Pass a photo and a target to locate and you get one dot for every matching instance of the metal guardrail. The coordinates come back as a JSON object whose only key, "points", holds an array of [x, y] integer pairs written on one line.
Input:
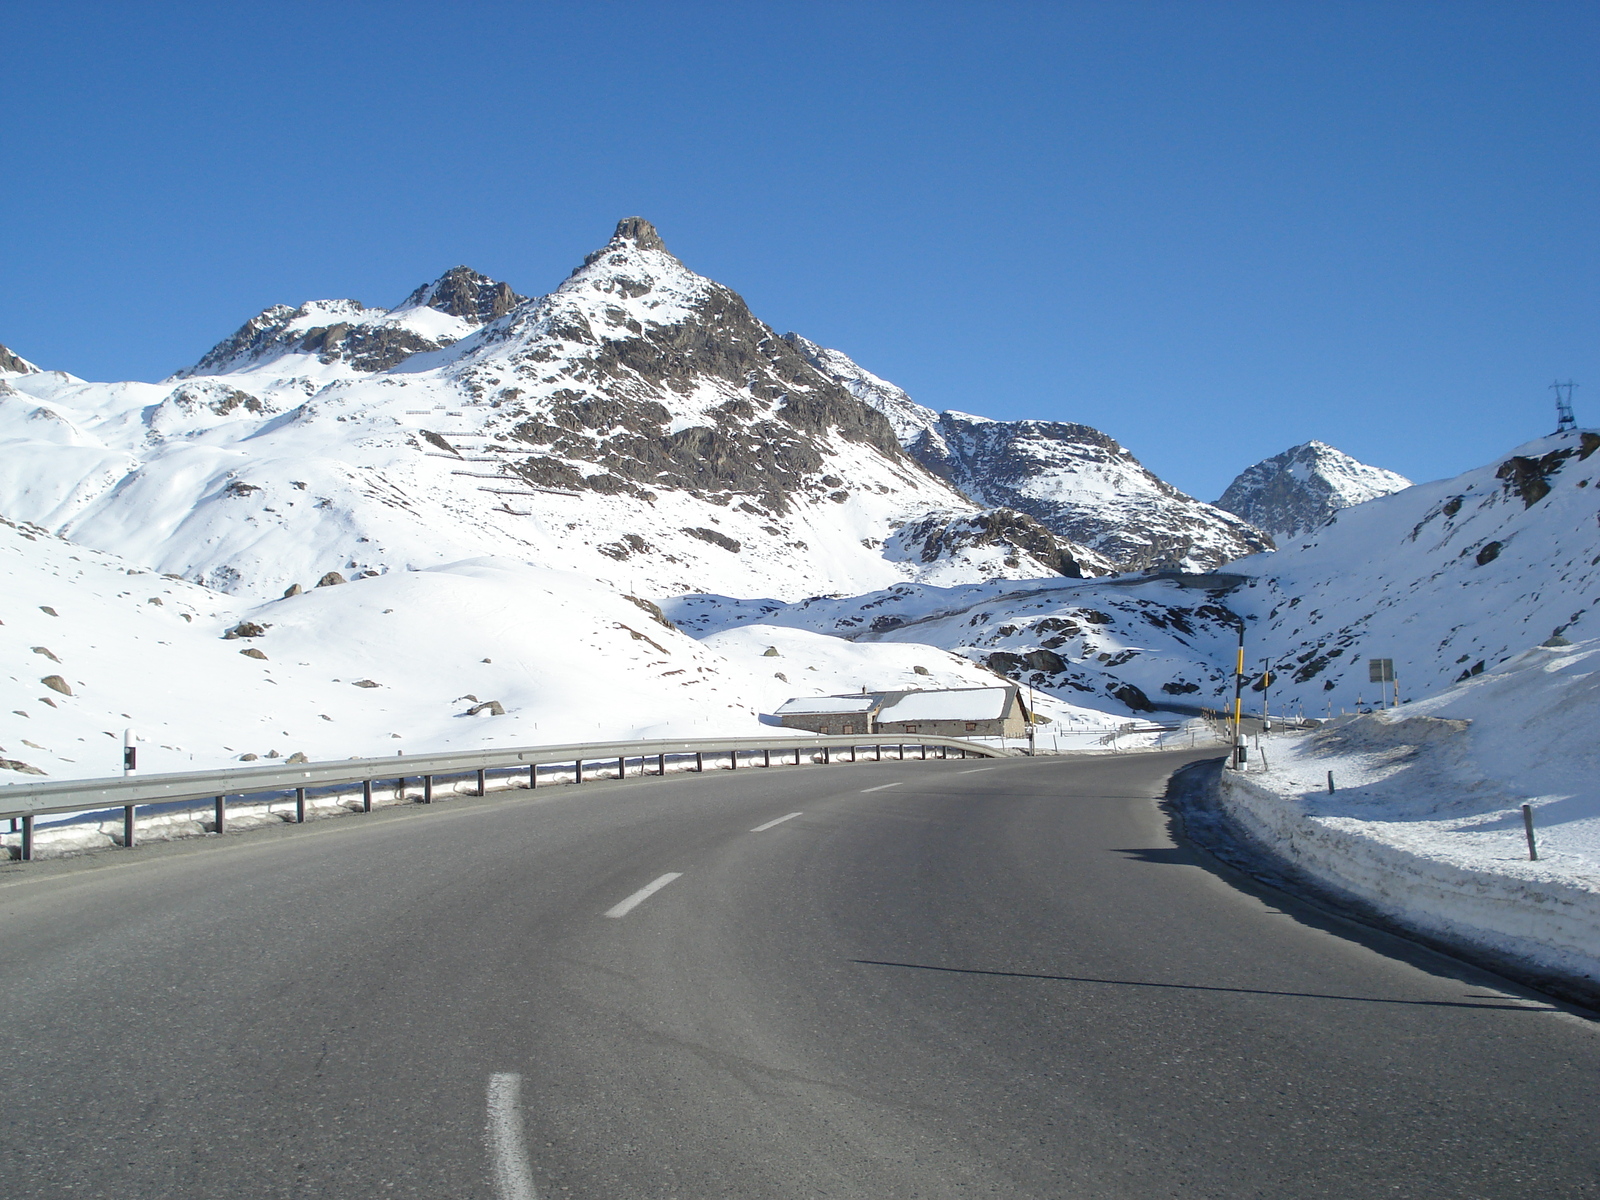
{"points": [[29, 800]]}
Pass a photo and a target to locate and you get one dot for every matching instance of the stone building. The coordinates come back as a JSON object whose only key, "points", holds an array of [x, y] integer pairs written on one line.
{"points": [[947, 712]]}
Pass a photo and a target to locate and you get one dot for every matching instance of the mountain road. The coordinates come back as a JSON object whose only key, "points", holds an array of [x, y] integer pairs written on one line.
{"points": [[889, 980]]}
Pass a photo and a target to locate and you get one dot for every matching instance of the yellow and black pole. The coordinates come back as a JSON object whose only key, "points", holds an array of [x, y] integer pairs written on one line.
{"points": [[1238, 703]]}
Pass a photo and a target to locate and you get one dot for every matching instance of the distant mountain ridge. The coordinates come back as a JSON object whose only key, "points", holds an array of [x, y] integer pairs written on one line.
{"points": [[1076, 481], [1293, 493]]}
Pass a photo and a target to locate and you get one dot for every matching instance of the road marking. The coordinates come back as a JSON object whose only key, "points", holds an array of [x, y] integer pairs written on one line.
{"points": [[770, 824], [643, 894], [881, 786], [974, 770], [513, 1177]]}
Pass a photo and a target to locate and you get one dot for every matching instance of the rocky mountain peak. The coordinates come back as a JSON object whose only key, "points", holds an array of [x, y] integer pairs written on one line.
{"points": [[463, 292], [15, 364], [1294, 492], [641, 233]]}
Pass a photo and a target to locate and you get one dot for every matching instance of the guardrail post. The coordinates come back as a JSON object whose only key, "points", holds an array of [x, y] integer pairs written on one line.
{"points": [[699, 761], [221, 814], [27, 837], [661, 764], [482, 786], [622, 766], [879, 750], [577, 771], [852, 752], [299, 806], [827, 756], [797, 756], [127, 827], [924, 751], [766, 757], [533, 775], [733, 760], [400, 788], [427, 789], [366, 795]]}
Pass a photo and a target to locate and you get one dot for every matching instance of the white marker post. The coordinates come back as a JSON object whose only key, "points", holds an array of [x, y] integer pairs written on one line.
{"points": [[130, 752]]}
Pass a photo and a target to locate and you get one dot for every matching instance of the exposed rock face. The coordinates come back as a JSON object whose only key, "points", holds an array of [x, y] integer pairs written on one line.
{"points": [[462, 292], [1292, 493], [1073, 479], [365, 339], [940, 534], [13, 364]]}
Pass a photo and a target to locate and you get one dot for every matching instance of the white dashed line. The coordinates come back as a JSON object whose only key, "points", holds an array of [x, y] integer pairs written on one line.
{"points": [[974, 770], [508, 1156], [881, 786], [643, 894], [770, 824]]}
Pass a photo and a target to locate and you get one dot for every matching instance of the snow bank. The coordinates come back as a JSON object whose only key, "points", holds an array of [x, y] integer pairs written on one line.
{"points": [[1426, 826]]}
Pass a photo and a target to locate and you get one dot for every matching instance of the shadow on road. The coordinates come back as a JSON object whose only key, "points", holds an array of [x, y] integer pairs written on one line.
{"points": [[1200, 987]]}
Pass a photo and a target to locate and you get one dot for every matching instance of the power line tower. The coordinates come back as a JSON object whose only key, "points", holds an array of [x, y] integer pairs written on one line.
{"points": [[1564, 417]]}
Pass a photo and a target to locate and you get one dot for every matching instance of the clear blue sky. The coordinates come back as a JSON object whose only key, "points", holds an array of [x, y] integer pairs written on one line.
{"points": [[1211, 229]]}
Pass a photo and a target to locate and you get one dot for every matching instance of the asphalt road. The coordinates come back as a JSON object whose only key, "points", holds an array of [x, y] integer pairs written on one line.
{"points": [[938, 980]]}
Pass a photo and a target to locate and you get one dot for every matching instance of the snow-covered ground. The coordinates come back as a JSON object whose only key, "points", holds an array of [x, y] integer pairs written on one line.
{"points": [[386, 664], [1425, 823]]}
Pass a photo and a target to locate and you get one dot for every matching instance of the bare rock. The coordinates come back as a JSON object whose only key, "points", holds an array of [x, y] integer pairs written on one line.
{"points": [[245, 629], [248, 757], [57, 684], [921, 671], [771, 652], [48, 611], [44, 651], [366, 683], [492, 707], [299, 756], [252, 652], [294, 589], [331, 579], [12, 764]]}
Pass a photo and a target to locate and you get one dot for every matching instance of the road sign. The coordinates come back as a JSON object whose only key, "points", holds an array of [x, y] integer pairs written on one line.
{"points": [[1380, 670]]}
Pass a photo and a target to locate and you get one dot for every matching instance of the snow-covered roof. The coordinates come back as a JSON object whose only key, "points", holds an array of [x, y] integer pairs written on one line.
{"points": [[827, 704], [954, 704]]}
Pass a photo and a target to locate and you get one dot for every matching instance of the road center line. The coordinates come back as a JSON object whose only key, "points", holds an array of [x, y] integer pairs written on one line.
{"points": [[974, 770], [770, 824], [643, 894], [508, 1155], [881, 786]]}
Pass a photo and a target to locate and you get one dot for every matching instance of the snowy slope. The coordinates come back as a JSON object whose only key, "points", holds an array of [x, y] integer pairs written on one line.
{"points": [[12, 364], [379, 666], [1075, 480], [638, 426], [1295, 492], [1426, 822], [1121, 646], [1446, 578]]}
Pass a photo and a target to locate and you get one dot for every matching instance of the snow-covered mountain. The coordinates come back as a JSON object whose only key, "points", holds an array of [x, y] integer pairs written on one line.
{"points": [[1295, 492], [12, 364], [638, 425], [1446, 578], [353, 339], [1075, 480]]}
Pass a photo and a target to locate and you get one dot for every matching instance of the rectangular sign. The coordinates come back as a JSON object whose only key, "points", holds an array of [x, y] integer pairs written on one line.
{"points": [[1380, 670]]}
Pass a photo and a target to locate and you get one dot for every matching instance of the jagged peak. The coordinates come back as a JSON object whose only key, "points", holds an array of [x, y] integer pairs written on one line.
{"points": [[641, 233], [633, 234], [465, 293], [15, 364]]}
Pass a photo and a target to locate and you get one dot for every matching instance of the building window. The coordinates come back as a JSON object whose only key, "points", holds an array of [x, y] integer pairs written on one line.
{"points": [[971, 725], [911, 728], [849, 728]]}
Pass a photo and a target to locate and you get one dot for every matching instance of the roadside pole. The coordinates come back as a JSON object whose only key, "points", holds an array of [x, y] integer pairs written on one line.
{"points": [[1238, 702]]}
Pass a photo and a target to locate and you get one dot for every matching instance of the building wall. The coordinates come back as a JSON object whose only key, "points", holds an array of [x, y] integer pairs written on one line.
{"points": [[828, 723], [1013, 726]]}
